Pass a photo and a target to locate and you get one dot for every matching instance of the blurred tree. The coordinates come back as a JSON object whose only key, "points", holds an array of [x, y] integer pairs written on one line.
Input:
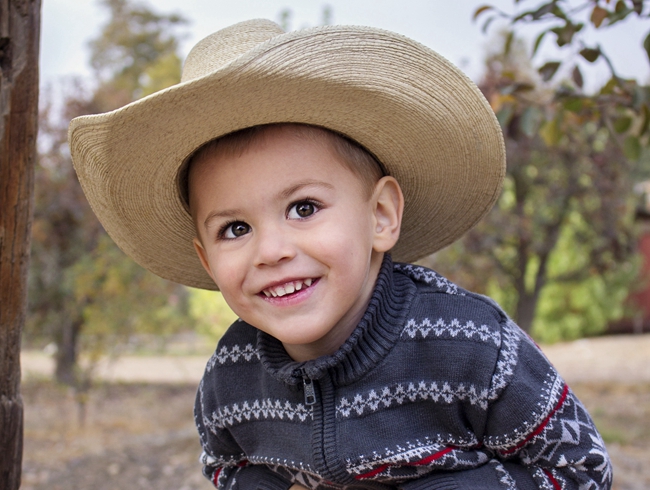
{"points": [[210, 313], [134, 46], [568, 193], [621, 105], [86, 294]]}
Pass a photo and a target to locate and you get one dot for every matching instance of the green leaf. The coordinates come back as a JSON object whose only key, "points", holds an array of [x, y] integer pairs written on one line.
{"points": [[550, 132], [538, 41], [639, 96], [548, 70], [646, 45], [622, 124], [487, 24], [573, 104], [632, 148], [543, 10], [576, 76], [481, 9], [508, 44], [504, 116], [590, 54], [621, 11], [559, 13], [530, 120], [523, 87], [609, 87], [564, 34], [646, 120]]}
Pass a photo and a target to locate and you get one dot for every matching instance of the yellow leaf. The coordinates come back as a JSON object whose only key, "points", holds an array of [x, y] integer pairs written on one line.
{"points": [[598, 15]]}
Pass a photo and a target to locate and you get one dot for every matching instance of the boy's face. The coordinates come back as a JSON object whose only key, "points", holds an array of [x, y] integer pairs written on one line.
{"points": [[290, 238]]}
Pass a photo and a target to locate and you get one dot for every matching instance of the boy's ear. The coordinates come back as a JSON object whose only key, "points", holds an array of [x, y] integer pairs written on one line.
{"points": [[203, 257], [388, 208]]}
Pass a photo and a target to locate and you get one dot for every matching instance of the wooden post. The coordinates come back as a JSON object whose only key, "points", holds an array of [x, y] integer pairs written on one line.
{"points": [[20, 22]]}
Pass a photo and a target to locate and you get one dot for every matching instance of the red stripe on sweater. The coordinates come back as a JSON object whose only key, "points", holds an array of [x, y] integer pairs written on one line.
{"points": [[555, 483], [218, 472], [372, 473], [426, 460], [433, 457], [544, 423], [215, 478]]}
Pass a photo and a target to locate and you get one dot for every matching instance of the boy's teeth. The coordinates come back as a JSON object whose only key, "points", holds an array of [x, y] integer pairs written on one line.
{"points": [[287, 288]]}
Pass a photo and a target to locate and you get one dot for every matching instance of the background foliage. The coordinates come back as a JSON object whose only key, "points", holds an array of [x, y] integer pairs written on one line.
{"points": [[86, 297], [558, 250]]}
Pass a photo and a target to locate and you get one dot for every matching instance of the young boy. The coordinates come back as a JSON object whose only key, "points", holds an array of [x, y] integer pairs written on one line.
{"points": [[282, 171]]}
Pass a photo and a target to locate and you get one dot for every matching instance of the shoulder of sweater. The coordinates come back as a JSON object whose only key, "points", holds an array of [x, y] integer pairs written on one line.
{"points": [[237, 347], [238, 332], [438, 294]]}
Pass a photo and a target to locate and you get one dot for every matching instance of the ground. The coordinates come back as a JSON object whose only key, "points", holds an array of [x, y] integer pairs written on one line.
{"points": [[139, 433]]}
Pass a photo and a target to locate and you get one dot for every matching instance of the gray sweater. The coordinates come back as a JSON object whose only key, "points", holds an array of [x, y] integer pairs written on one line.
{"points": [[435, 389]]}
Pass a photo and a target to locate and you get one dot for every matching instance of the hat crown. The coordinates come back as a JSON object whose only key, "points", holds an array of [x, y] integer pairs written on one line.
{"points": [[226, 45]]}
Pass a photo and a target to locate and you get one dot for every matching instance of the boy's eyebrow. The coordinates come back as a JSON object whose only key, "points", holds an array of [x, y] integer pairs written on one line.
{"points": [[226, 213], [289, 191], [285, 194]]}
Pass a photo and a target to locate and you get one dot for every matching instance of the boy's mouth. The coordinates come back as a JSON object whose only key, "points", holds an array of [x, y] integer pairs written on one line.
{"points": [[287, 288]]}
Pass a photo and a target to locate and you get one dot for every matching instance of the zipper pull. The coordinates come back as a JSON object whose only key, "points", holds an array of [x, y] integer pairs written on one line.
{"points": [[308, 387]]}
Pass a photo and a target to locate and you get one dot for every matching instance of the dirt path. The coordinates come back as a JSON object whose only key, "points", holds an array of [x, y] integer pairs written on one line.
{"points": [[139, 431], [620, 359], [624, 359]]}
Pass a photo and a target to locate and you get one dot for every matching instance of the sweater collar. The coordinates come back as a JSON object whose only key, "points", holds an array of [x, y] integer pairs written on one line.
{"points": [[376, 334]]}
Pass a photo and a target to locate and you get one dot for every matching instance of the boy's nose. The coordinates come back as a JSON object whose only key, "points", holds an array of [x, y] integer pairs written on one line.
{"points": [[272, 247]]}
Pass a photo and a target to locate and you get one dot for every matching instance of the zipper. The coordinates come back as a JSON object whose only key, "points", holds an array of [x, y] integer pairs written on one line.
{"points": [[308, 388]]}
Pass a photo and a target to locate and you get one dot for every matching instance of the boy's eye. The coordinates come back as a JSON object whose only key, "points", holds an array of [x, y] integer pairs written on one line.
{"points": [[235, 230], [301, 209]]}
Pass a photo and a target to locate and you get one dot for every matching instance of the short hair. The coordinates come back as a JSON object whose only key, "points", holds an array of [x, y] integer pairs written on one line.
{"points": [[350, 153]]}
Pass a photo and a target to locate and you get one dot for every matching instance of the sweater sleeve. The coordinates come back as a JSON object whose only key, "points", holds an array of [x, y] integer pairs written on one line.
{"points": [[539, 434], [224, 463], [536, 427]]}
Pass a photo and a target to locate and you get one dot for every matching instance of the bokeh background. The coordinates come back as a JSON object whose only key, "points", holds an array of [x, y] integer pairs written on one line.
{"points": [[112, 354]]}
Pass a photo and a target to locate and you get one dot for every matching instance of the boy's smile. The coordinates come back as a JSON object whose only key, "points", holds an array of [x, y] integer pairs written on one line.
{"points": [[291, 239]]}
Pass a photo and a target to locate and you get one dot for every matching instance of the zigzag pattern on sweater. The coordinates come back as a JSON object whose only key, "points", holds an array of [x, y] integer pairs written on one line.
{"points": [[549, 396], [428, 276], [542, 481], [400, 394], [568, 426], [237, 413], [453, 329], [508, 357], [504, 476], [233, 355]]}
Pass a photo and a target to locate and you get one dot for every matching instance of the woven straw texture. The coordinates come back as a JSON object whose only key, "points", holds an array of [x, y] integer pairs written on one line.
{"points": [[419, 115]]}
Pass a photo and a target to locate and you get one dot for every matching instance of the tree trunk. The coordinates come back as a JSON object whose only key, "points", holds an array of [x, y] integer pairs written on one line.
{"points": [[19, 43], [66, 355], [526, 307]]}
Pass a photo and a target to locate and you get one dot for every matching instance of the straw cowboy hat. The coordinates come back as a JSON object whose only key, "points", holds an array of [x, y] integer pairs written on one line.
{"points": [[425, 121]]}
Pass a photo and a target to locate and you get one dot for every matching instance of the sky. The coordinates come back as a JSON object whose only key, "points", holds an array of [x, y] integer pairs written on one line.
{"points": [[443, 25]]}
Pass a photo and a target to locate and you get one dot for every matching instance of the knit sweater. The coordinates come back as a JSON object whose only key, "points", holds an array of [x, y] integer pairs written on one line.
{"points": [[436, 388]]}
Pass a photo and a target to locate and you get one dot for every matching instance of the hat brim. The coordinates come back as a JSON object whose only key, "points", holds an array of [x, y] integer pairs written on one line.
{"points": [[418, 114]]}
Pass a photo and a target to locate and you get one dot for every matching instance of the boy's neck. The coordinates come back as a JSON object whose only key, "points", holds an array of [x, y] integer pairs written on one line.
{"points": [[329, 344]]}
